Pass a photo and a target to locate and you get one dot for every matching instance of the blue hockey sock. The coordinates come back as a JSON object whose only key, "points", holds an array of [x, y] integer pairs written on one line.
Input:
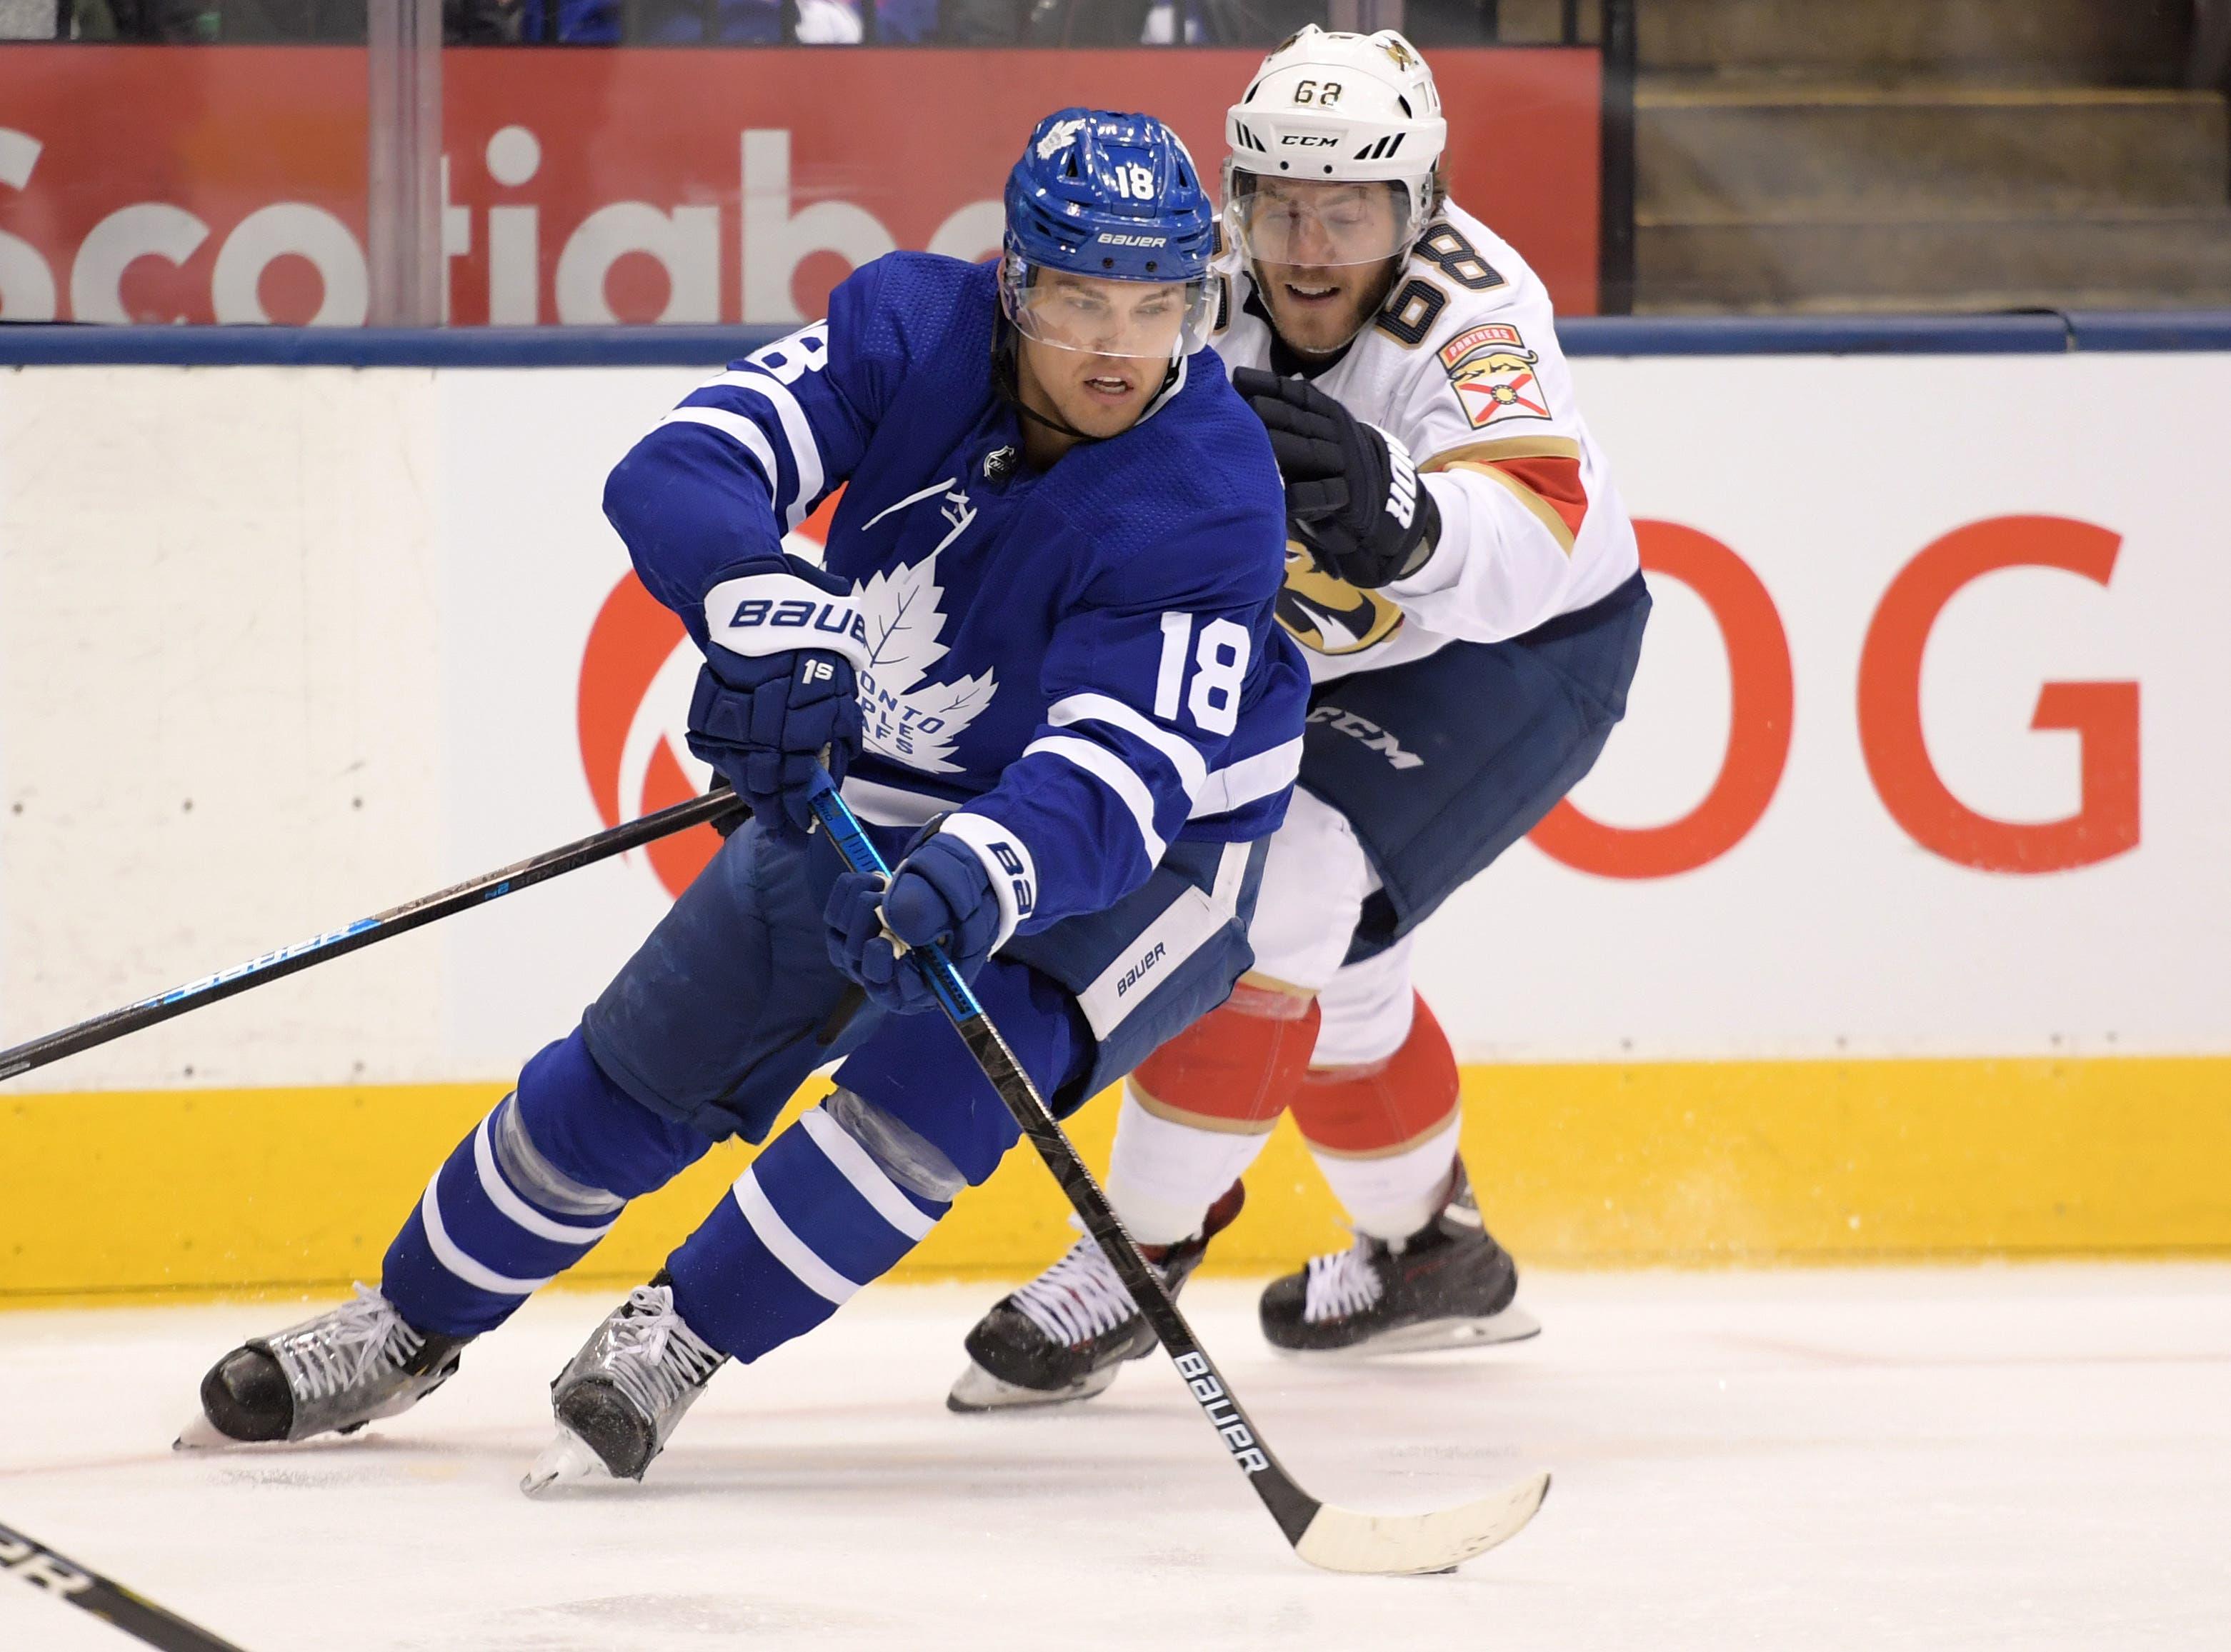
{"points": [[818, 1215], [528, 1193]]}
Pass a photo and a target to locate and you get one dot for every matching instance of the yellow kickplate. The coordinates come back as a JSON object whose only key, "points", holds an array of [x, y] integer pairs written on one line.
{"points": [[199, 1193]]}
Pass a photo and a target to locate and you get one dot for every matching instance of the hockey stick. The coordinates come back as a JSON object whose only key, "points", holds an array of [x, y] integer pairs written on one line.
{"points": [[1336, 1539], [87, 1589], [415, 915]]}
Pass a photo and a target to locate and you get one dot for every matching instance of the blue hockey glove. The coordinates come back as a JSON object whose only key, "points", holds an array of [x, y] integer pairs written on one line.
{"points": [[765, 714], [940, 893], [1352, 495]]}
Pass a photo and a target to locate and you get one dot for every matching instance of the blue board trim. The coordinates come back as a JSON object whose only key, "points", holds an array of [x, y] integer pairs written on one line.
{"points": [[1807, 335], [27, 346]]}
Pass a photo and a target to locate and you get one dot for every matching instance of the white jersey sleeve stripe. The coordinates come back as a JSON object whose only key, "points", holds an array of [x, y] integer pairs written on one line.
{"points": [[786, 1247], [1192, 770], [737, 427], [1250, 779], [798, 433], [865, 1174], [1116, 775]]}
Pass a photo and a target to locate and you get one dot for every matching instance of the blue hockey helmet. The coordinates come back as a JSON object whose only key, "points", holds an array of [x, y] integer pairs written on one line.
{"points": [[1105, 197]]}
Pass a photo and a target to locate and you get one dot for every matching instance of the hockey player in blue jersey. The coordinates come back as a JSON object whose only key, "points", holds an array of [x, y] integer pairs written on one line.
{"points": [[1041, 659]]}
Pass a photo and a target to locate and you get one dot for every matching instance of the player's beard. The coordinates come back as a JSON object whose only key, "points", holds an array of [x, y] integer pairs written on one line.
{"points": [[1317, 309]]}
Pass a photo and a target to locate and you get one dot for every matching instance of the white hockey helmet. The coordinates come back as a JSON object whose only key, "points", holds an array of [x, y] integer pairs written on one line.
{"points": [[1328, 107]]}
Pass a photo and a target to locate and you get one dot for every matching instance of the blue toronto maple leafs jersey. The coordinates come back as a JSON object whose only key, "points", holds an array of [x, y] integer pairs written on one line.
{"points": [[1083, 662]]}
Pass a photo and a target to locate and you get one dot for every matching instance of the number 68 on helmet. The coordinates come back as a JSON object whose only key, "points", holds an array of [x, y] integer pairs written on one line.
{"points": [[1335, 150]]}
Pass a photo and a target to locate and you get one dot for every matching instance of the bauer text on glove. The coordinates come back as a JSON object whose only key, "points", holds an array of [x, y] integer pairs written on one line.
{"points": [[779, 689]]}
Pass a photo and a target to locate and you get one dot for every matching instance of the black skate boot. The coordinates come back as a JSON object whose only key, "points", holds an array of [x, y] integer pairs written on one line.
{"points": [[618, 1399], [1065, 1334], [1449, 1285], [350, 1366]]}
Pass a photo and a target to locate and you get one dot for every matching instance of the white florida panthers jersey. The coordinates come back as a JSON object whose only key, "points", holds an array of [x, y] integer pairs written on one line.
{"points": [[1462, 366]]}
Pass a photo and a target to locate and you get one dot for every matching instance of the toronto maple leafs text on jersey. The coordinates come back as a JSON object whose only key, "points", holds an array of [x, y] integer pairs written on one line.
{"points": [[1462, 366], [1082, 662]]}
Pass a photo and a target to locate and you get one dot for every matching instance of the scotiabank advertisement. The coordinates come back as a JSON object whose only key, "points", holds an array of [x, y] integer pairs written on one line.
{"points": [[228, 184]]}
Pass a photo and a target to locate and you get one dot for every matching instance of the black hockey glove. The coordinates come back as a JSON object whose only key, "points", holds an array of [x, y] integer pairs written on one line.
{"points": [[1353, 494]]}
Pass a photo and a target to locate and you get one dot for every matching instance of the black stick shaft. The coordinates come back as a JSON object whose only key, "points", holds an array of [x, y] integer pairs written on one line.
{"points": [[1291, 1507], [290, 960], [34, 1564]]}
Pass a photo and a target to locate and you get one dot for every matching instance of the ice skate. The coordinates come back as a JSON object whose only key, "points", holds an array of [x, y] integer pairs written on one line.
{"points": [[1064, 1335], [618, 1399], [1448, 1286], [351, 1366]]}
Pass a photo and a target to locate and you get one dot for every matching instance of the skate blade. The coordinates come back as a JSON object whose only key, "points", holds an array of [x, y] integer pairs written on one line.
{"points": [[565, 1461], [978, 1390], [202, 1435], [1514, 1324]]}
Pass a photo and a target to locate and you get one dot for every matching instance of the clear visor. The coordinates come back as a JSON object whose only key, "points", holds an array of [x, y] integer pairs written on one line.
{"points": [[1154, 320], [1317, 224]]}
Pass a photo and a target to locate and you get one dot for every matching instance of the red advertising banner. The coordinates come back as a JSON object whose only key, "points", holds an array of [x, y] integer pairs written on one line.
{"points": [[227, 184]]}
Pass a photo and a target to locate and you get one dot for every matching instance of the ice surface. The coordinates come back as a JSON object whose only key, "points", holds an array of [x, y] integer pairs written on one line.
{"points": [[2032, 1457]]}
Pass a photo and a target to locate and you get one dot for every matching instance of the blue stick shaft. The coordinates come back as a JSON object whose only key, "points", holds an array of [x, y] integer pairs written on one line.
{"points": [[1291, 1507]]}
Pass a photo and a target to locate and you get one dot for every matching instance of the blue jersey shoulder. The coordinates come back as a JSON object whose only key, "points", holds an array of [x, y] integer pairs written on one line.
{"points": [[910, 313], [1197, 479]]}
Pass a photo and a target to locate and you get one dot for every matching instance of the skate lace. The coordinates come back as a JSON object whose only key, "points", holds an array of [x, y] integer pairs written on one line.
{"points": [[1076, 1299], [1341, 1283], [655, 1358], [343, 1349]]}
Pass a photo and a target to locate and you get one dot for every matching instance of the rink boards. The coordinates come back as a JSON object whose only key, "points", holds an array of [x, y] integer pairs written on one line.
{"points": [[1897, 920]]}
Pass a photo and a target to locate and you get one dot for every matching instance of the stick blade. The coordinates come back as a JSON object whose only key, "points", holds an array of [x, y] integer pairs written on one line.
{"points": [[1340, 1539]]}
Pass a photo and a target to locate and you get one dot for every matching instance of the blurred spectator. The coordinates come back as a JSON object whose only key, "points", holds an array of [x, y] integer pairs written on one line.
{"points": [[1124, 22], [725, 22], [140, 19], [481, 22], [1450, 23], [30, 19], [1088, 22], [1259, 23], [2210, 61]]}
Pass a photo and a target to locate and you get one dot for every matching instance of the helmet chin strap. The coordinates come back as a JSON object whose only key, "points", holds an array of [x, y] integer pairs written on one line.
{"points": [[1005, 378]]}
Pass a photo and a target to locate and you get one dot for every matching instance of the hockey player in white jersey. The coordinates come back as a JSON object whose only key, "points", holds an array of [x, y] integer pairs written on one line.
{"points": [[1465, 582]]}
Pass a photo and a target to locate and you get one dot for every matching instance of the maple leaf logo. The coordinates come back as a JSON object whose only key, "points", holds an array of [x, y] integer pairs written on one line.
{"points": [[902, 717]]}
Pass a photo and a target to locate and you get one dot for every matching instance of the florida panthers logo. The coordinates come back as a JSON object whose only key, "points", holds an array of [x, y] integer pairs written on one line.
{"points": [[1496, 376], [1329, 616]]}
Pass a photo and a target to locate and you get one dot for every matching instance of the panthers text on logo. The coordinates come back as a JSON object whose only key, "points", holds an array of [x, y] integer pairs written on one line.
{"points": [[1494, 375]]}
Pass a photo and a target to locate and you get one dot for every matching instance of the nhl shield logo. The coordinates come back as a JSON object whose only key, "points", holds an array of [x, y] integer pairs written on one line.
{"points": [[1494, 375]]}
